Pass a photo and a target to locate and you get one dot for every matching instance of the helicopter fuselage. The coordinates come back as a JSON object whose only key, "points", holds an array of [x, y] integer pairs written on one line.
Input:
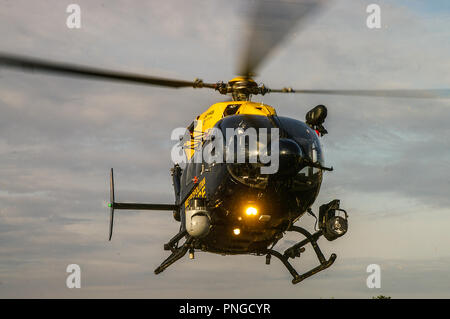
{"points": [[230, 189], [230, 200]]}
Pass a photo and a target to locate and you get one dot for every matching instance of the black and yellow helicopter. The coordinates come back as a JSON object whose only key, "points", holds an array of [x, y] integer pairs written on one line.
{"points": [[232, 208]]}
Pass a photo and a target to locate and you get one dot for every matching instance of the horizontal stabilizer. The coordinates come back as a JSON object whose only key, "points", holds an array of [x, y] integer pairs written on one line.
{"points": [[140, 206]]}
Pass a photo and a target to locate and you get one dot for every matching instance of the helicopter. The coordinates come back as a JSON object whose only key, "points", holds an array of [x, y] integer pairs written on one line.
{"points": [[231, 207]]}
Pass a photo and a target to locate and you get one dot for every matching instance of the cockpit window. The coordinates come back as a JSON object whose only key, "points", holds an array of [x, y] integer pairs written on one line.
{"points": [[245, 125], [244, 121], [304, 136]]}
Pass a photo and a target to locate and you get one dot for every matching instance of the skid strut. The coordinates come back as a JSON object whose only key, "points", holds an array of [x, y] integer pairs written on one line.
{"points": [[174, 241], [295, 251], [177, 253]]}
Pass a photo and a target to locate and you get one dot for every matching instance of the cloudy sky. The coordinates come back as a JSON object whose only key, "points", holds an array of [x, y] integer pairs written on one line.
{"points": [[60, 136]]}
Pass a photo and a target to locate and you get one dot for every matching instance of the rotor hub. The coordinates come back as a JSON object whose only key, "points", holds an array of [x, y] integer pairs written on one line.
{"points": [[241, 88]]}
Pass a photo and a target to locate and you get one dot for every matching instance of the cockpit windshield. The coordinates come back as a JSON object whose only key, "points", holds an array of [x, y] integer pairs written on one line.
{"points": [[305, 137]]}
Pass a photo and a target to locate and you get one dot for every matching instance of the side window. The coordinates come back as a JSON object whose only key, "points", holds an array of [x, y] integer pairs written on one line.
{"points": [[211, 151]]}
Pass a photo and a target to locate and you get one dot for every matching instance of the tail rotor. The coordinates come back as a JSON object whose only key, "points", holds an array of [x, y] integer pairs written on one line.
{"points": [[111, 204]]}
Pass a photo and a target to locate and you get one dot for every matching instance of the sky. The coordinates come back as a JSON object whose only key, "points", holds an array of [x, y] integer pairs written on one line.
{"points": [[59, 137]]}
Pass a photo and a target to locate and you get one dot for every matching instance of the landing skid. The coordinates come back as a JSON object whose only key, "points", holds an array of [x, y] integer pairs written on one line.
{"points": [[297, 249], [292, 252]]}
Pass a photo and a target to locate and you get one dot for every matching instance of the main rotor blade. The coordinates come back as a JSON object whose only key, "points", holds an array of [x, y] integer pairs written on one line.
{"points": [[269, 24], [39, 65], [420, 94]]}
